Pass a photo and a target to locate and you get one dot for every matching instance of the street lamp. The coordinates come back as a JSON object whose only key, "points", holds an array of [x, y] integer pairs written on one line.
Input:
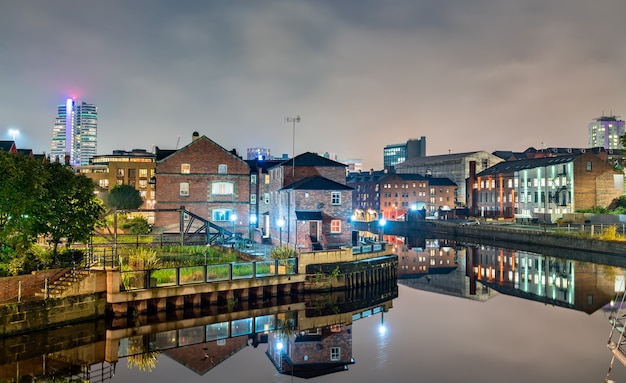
{"points": [[280, 223], [14, 133], [293, 150], [382, 223], [252, 224], [234, 219]]}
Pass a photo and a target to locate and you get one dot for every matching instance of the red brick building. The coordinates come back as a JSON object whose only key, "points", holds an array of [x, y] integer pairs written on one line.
{"points": [[311, 203], [544, 188], [207, 180]]}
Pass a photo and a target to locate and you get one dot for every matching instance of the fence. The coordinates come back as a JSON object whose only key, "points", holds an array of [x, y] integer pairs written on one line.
{"points": [[185, 275]]}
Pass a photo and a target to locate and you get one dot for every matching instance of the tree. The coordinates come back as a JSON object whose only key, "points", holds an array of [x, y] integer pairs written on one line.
{"points": [[72, 210], [21, 193], [124, 197]]}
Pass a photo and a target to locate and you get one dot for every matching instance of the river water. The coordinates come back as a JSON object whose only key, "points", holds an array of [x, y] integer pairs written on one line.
{"points": [[458, 313]]}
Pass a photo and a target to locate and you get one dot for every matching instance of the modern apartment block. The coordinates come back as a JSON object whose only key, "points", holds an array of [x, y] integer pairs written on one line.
{"points": [[134, 168], [605, 132], [543, 188], [75, 133]]}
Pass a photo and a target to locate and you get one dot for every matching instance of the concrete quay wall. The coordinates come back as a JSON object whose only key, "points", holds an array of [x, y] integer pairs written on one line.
{"points": [[36, 315]]}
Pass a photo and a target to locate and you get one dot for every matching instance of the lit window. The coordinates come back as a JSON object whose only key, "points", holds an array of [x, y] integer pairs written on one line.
{"points": [[143, 184], [104, 183], [120, 172], [222, 188], [335, 226], [185, 169], [221, 214], [143, 172], [335, 198], [222, 169], [184, 189]]}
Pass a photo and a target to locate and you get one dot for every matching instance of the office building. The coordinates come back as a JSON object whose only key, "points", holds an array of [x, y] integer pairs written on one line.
{"points": [[397, 153], [605, 132], [75, 133]]}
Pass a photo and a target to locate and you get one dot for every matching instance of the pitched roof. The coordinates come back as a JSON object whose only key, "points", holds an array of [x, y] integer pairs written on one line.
{"points": [[440, 181], [263, 165], [316, 183], [166, 153], [531, 163], [311, 159], [6, 146]]}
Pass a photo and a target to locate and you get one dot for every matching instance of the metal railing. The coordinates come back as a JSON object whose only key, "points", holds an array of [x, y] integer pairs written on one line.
{"points": [[184, 275]]}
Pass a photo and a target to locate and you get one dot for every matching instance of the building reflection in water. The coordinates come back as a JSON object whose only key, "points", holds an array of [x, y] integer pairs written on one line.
{"points": [[308, 336], [480, 272]]}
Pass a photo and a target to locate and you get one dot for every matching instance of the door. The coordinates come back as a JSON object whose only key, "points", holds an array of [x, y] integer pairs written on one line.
{"points": [[313, 231]]}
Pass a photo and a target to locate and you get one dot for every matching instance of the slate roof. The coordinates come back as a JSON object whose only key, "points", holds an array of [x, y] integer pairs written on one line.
{"points": [[255, 165], [374, 176], [513, 166], [311, 159], [316, 183], [6, 146], [440, 181]]}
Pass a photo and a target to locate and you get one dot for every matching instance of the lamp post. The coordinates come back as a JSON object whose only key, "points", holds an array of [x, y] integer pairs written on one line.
{"points": [[280, 223], [233, 218], [382, 223], [293, 149], [13, 133]]}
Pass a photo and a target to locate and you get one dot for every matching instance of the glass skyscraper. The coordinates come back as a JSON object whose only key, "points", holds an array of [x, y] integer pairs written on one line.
{"points": [[75, 133]]}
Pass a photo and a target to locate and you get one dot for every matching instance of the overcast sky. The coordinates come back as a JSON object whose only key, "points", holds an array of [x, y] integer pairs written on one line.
{"points": [[467, 75]]}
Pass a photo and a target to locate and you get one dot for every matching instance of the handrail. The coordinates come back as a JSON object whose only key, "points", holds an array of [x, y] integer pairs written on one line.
{"points": [[132, 280]]}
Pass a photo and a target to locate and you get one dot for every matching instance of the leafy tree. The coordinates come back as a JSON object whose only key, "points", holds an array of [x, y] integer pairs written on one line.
{"points": [[21, 191], [124, 197], [72, 210], [136, 225]]}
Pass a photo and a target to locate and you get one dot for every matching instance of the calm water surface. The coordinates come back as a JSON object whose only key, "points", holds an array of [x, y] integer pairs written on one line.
{"points": [[458, 315]]}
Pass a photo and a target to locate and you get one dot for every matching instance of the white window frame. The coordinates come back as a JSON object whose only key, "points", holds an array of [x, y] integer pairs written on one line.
{"points": [[252, 199], [185, 169], [335, 198], [222, 169], [335, 354], [222, 188]]}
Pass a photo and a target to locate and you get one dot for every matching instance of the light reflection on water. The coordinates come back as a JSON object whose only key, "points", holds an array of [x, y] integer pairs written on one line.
{"points": [[459, 314]]}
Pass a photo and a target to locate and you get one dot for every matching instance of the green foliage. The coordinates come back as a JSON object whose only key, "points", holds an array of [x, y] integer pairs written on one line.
{"points": [[24, 262], [21, 198], [136, 225], [140, 258], [124, 197], [283, 252]]}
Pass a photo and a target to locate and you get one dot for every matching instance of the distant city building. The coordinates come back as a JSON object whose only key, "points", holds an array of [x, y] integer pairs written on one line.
{"points": [[258, 154], [455, 166], [354, 164], [135, 168], [605, 132], [75, 133], [397, 153]]}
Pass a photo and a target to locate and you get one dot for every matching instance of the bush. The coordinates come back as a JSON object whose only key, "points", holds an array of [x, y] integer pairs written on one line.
{"points": [[283, 252]]}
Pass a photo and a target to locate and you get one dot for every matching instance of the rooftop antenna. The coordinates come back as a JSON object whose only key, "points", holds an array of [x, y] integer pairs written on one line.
{"points": [[177, 142]]}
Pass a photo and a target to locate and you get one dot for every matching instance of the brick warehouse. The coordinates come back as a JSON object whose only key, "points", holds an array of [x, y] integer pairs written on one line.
{"points": [[312, 201], [207, 180]]}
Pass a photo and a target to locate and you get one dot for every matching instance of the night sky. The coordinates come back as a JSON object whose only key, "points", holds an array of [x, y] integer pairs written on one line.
{"points": [[467, 75]]}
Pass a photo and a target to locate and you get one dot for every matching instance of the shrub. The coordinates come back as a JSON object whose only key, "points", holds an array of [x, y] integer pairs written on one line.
{"points": [[283, 252]]}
